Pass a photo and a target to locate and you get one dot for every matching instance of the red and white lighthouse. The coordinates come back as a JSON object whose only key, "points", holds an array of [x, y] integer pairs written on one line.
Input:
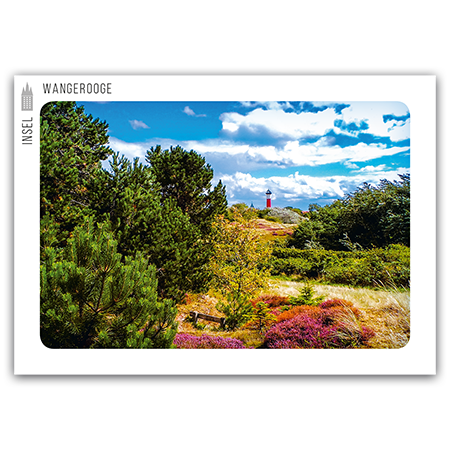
{"points": [[268, 199]]}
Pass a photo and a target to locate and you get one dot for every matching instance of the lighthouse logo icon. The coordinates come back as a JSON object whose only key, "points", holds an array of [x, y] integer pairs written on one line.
{"points": [[27, 99]]}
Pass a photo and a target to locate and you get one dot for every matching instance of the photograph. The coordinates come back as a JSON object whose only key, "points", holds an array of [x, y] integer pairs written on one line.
{"points": [[223, 224]]}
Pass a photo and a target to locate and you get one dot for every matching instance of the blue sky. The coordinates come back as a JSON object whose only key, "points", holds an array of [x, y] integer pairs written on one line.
{"points": [[304, 152]]}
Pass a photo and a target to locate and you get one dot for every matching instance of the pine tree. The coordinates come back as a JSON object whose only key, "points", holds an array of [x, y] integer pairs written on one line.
{"points": [[93, 298], [72, 145], [261, 316], [130, 199], [185, 177]]}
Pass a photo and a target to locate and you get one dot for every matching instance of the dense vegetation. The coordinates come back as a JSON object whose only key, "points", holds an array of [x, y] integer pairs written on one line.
{"points": [[389, 266], [123, 248], [372, 216], [138, 215]]}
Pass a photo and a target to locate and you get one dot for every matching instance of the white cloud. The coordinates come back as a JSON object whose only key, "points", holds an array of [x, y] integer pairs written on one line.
{"points": [[297, 125], [379, 168], [230, 161], [269, 105], [129, 149], [399, 132], [279, 122], [190, 112], [277, 136], [372, 113], [136, 124], [350, 165], [291, 155], [291, 187], [284, 129]]}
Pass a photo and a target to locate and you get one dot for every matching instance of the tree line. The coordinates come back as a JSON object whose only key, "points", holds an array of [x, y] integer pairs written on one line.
{"points": [[370, 217]]}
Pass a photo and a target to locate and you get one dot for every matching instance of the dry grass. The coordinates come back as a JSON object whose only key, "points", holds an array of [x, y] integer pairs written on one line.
{"points": [[385, 312]]}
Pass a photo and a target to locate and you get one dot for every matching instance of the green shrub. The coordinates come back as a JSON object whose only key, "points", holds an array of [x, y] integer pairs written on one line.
{"points": [[237, 310], [388, 266], [262, 213], [274, 219], [261, 317], [241, 211], [306, 297], [91, 297], [237, 268]]}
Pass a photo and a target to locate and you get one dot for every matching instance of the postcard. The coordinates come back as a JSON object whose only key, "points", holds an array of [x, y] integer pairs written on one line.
{"points": [[224, 225]]}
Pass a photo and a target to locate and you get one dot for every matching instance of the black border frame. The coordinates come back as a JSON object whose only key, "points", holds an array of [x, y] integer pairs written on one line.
{"points": [[437, 381]]}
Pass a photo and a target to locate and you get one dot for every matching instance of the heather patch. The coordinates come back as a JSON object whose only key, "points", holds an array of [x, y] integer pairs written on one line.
{"points": [[302, 331], [183, 340], [333, 324]]}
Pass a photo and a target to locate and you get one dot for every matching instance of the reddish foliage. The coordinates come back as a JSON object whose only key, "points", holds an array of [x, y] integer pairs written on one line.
{"points": [[333, 302], [313, 311], [276, 311], [366, 333], [340, 303], [272, 301]]}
